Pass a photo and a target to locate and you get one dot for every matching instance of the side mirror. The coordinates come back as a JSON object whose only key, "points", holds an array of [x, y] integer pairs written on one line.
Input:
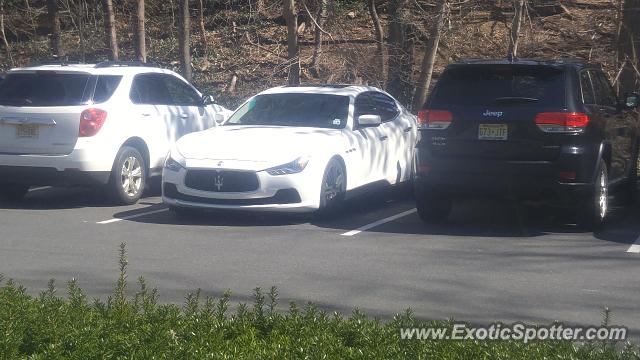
{"points": [[369, 120], [220, 118], [208, 100], [632, 100]]}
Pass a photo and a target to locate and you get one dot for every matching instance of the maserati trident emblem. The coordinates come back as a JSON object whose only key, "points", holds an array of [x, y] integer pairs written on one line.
{"points": [[218, 182]]}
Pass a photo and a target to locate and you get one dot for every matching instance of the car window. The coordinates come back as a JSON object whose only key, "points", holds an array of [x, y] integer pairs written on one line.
{"points": [[43, 88], [149, 89], [588, 96], [513, 85], [106, 85], [364, 106], [294, 109], [603, 91], [180, 92], [384, 106]]}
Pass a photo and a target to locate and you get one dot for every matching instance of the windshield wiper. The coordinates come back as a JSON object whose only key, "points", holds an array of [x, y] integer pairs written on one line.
{"points": [[514, 99]]}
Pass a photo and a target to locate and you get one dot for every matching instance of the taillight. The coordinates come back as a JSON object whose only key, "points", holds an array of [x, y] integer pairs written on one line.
{"points": [[91, 121], [434, 119], [562, 122]]}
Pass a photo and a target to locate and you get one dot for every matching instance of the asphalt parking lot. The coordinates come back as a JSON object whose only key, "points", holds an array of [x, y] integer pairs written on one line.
{"points": [[492, 261]]}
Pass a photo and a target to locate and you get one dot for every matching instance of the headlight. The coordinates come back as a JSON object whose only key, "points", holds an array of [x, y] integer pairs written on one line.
{"points": [[293, 167], [171, 164]]}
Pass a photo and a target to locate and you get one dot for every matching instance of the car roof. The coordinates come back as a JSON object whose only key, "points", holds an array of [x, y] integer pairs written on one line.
{"points": [[328, 89], [531, 62], [103, 68]]}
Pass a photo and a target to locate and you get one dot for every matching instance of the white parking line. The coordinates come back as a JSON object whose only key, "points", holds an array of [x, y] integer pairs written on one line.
{"points": [[635, 248], [111, 221], [378, 223]]}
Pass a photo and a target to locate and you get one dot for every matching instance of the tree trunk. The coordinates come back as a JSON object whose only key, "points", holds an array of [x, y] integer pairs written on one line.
{"points": [[203, 34], [429, 60], [141, 43], [293, 49], [54, 18], [184, 39], [629, 47], [3, 34], [515, 27], [321, 16], [110, 29], [377, 28], [400, 83]]}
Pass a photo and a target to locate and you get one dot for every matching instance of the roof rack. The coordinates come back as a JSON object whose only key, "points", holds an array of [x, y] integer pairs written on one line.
{"points": [[55, 62], [106, 64], [334, 86]]}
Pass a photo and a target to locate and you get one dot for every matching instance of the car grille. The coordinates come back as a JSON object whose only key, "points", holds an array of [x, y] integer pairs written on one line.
{"points": [[221, 180], [284, 196]]}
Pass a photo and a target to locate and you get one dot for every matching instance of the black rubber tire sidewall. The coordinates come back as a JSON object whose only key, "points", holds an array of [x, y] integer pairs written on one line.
{"points": [[329, 208], [115, 182]]}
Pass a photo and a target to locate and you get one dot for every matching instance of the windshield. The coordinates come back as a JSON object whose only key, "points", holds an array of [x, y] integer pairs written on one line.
{"points": [[43, 89], [305, 110], [481, 85]]}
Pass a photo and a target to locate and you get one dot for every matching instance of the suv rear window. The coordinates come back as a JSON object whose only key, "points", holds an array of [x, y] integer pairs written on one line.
{"points": [[484, 85], [43, 89]]}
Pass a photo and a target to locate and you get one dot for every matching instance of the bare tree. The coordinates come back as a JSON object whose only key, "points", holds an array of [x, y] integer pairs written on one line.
{"points": [[629, 47], [203, 34], [184, 38], [3, 34], [400, 50], [377, 27], [141, 44], [293, 49], [54, 19], [514, 34], [321, 17], [110, 28], [429, 60]]}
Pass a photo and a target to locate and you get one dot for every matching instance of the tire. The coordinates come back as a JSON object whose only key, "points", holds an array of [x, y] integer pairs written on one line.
{"points": [[432, 207], [632, 183], [128, 177], [597, 203], [11, 193], [333, 188]]}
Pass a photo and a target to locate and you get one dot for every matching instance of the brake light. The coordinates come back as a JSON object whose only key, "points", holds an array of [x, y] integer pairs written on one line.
{"points": [[434, 119], [91, 121], [562, 122]]}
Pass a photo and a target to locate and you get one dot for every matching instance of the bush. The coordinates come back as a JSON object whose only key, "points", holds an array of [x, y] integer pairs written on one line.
{"points": [[140, 328]]}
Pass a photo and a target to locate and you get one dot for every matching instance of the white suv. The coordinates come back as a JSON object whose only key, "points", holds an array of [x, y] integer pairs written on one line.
{"points": [[111, 124]]}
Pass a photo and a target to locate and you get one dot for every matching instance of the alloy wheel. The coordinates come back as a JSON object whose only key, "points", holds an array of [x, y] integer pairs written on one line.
{"points": [[131, 175], [603, 194], [333, 183]]}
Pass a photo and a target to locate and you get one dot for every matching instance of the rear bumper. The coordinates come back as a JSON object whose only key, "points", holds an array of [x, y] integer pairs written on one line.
{"points": [[51, 176], [527, 180]]}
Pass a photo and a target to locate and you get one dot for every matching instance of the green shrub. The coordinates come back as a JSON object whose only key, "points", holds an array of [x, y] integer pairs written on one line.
{"points": [[52, 327]]}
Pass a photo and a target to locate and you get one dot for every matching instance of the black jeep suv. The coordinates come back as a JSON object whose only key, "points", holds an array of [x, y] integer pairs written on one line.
{"points": [[526, 129]]}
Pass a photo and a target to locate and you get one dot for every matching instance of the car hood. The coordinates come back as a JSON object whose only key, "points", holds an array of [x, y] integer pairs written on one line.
{"points": [[253, 147]]}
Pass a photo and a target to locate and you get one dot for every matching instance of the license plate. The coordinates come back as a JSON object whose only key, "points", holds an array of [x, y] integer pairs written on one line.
{"points": [[493, 132], [27, 131]]}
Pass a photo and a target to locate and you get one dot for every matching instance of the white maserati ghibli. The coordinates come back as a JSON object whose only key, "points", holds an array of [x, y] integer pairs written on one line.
{"points": [[296, 149]]}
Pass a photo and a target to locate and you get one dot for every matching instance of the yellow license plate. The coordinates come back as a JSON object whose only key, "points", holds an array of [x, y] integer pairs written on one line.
{"points": [[493, 132], [27, 131]]}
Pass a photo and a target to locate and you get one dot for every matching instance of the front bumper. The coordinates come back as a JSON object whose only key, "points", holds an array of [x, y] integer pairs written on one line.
{"points": [[286, 193]]}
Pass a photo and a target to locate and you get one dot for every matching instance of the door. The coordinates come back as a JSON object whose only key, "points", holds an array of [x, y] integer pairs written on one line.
{"points": [[368, 143], [399, 132], [154, 115], [192, 115], [40, 111], [617, 130]]}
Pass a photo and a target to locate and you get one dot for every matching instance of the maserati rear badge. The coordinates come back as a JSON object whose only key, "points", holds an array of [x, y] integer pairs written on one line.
{"points": [[493, 113]]}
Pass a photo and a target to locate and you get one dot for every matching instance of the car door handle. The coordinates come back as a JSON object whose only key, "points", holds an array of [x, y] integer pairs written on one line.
{"points": [[146, 115], [408, 129], [184, 116], [384, 137]]}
